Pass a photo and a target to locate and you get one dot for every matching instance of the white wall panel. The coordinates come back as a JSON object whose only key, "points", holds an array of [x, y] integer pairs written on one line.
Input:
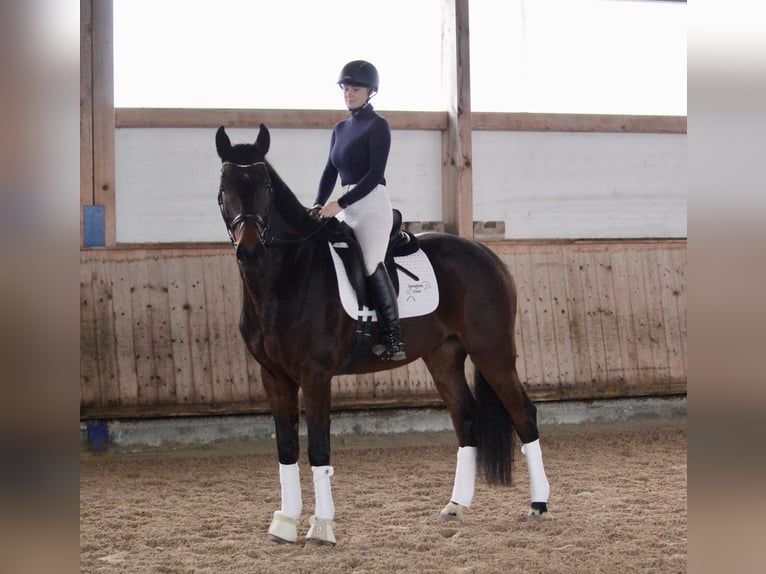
{"points": [[167, 179], [581, 185], [542, 184]]}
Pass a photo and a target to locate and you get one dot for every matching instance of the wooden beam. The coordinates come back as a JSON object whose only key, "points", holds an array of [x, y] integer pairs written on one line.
{"points": [[399, 120], [86, 110], [526, 122], [275, 119], [103, 114], [457, 155]]}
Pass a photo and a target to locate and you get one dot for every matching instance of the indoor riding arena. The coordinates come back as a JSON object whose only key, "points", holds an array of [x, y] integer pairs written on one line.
{"points": [[178, 451]]}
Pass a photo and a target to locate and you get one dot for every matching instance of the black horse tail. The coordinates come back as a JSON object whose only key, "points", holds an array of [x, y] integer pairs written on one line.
{"points": [[495, 433]]}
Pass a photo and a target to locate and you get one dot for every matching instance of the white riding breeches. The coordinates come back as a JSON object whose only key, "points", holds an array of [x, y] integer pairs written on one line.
{"points": [[371, 219]]}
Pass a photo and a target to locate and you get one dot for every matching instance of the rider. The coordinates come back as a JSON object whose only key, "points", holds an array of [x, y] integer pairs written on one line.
{"points": [[359, 148]]}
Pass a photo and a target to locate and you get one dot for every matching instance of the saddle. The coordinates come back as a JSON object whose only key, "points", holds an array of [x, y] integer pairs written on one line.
{"points": [[400, 243], [345, 244]]}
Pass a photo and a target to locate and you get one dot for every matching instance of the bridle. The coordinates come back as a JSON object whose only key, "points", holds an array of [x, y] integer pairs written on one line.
{"points": [[261, 223], [241, 218]]}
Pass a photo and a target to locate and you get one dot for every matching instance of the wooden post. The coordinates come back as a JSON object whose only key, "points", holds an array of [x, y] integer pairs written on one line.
{"points": [[86, 111], [457, 155], [103, 114]]}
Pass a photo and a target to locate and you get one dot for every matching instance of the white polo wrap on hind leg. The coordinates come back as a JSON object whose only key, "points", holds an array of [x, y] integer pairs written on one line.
{"points": [[538, 482], [465, 476], [325, 508], [290, 481]]}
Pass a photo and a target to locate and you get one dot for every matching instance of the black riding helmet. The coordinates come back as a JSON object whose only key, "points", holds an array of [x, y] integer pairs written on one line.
{"points": [[360, 73]]}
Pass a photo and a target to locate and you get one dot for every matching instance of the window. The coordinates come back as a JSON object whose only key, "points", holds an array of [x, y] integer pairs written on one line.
{"points": [[568, 56]]}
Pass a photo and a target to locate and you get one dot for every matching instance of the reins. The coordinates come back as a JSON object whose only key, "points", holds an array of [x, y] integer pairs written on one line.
{"points": [[263, 224]]}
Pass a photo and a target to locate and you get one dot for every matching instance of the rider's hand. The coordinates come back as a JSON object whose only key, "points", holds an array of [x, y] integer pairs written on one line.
{"points": [[330, 210]]}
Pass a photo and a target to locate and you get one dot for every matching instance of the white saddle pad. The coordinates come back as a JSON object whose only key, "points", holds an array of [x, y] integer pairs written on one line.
{"points": [[416, 296]]}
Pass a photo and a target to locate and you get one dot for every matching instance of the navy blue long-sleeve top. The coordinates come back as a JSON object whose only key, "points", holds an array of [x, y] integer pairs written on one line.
{"points": [[359, 149]]}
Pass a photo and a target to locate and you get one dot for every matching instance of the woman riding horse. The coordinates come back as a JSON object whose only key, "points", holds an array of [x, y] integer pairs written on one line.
{"points": [[294, 325]]}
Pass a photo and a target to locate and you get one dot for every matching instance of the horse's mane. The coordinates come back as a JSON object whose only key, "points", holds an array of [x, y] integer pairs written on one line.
{"points": [[288, 205]]}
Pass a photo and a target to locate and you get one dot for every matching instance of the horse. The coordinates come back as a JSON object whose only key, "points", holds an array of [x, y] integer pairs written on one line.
{"points": [[293, 324]]}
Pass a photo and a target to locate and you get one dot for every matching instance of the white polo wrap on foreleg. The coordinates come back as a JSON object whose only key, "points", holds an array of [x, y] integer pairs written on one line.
{"points": [[290, 481], [325, 508], [465, 476], [538, 482]]}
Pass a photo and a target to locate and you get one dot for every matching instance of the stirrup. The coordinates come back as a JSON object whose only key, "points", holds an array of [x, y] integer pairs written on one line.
{"points": [[283, 529], [395, 353], [320, 533], [391, 348]]}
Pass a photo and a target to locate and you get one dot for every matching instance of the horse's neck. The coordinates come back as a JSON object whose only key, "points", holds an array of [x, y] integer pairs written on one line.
{"points": [[292, 213]]}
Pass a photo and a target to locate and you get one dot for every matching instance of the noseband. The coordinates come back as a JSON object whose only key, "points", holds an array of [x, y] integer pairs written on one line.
{"points": [[241, 218]]}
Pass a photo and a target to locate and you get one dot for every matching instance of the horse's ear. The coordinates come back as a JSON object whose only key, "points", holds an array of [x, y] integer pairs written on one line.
{"points": [[222, 143], [263, 141]]}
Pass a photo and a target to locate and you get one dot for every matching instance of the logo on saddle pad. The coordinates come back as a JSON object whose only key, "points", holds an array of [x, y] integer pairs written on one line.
{"points": [[418, 291]]}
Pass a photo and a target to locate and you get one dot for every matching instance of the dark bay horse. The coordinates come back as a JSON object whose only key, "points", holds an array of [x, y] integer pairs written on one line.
{"points": [[293, 324]]}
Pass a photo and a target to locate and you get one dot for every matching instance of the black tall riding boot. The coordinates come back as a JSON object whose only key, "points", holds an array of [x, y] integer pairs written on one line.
{"points": [[384, 296]]}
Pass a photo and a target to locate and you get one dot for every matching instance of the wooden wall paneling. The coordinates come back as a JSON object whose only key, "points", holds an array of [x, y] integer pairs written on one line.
{"points": [[559, 310], [180, 335], [624, 314], [646, 365], [366, 387], [527, 320], [677, 261], [656, 317], [578, 332], [158, 316], [221, 364], [105, 336], [147, 375], [594, 329], [90, 375], [547, 340], [420, 382], [383, 385], [199, 333], [231, 292], [669, 294], [605, 281], [148, 330], [344, 387], [400, 384], [117, 275]]}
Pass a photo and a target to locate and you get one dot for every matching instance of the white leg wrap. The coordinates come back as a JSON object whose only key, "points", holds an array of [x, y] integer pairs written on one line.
{"points": [[537, 480], [289, 479], [465, 476], [325, 508]]}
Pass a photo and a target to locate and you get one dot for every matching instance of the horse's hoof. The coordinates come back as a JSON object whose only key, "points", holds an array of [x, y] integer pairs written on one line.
{"points": [[320, 533], [450, 513], [283, 529], [538, 512]]}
